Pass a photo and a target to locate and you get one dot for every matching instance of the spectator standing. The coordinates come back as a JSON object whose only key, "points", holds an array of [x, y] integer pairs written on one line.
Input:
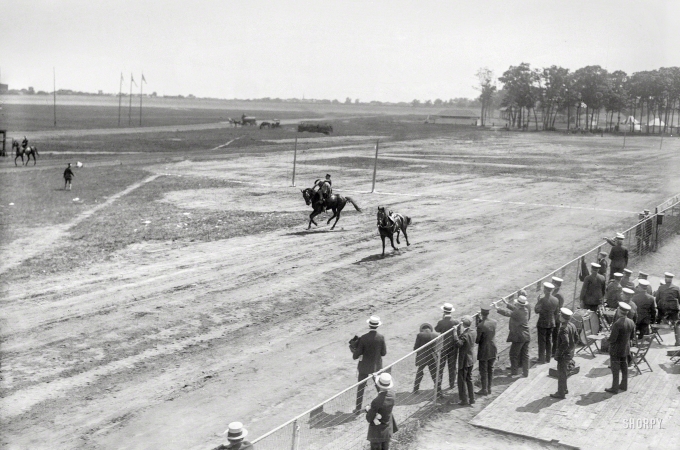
{"points": [[567, 339], [593, 288], [369, 351], [519, 336], [668, 301], [450, 350], [622, 332], [602, 261], [626, 282], [236, 435], [627, 297], [557, 282], [466, 344], [643, 276], [612, 295], [381, 425], [646, 308], [546, 305], [428, 356], [68, 177], [618, 255], [486, 348]]}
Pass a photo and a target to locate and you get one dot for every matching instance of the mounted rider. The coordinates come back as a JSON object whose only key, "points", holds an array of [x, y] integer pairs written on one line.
{"points": [[24, 143], [323, 189]]}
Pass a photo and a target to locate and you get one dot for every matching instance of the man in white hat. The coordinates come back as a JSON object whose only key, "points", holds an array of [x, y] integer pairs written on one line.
{"points": [[618, 255], [622, 332], [593, 288], [449, 350], [426, 356], [646, 308], [370, 350], [381, 424], [466, 361], [625, 280], [557, 282], [236, 435], [566, 343], [627, 297], [644, 276], [486, 347], [612, 295], [546, 305], [519, 336], [668, 301]]}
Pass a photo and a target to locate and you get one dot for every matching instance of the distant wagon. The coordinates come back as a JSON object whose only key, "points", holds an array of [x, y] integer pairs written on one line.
{"points": [[276, 123], [315, 127], [250, 121]]}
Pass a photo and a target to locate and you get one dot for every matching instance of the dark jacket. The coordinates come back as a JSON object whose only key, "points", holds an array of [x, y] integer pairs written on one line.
{"points": [[382, 405], [450, 339], [632, 314], [668, 297], [646, 307], [545, 308], [612, 295], [243, 445], [619, 340], [486, 339], [519, 322], [466, 345], [427, 354], [593, 289], [372, 347], [603, 266], [560, 304], [619, 257], [626, 283], [68, 173], [567, 337]]}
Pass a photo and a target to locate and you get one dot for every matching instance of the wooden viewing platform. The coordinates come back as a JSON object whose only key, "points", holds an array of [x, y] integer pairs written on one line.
{"points": [[590, 417]]}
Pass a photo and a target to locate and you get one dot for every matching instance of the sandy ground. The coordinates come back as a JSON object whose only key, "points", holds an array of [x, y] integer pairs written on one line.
{"points": [[166, 343]]}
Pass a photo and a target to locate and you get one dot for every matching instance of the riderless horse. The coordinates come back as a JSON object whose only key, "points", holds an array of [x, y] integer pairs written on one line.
{"points": [[28, 151], [335, 202], [391, 223]]}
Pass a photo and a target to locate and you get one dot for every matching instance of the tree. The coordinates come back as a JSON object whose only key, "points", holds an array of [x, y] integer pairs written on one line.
{"points": [[438, 102], [348, 101], [519, 83], [415, 102], [592, 83], [487, 88]]}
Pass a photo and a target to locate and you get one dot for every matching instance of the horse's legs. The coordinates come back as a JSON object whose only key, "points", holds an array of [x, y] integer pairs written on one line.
{"points": [[335, 212], [35, 160], [311, 219], [382, 236], [405, 236], [392, 242], [398, 236], [337, 217], [15, 160]]}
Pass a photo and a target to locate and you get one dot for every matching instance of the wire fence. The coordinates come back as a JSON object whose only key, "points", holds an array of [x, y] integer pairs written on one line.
{"points": [[422, 376]]}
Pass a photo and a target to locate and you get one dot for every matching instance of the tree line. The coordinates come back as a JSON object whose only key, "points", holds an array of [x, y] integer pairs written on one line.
{"points": [[651, 97]]}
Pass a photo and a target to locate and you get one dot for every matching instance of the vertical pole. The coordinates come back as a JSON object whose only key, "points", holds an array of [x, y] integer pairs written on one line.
{"points": [[120, 96], [54, 91], [661, 144], [437, 361], [375, 165], [625, 131], [141, 91], [296, 435], [130, 109], [578, 269], [294, 158]]}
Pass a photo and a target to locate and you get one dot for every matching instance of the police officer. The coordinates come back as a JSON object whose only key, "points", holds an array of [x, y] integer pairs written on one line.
{"points": [[612, 295], [618, 255], [626, 282], [622, 332], [668, 301], [646, 308], [593, 289], [557, 282], [486, 348], [566, 343], [546, 305]]}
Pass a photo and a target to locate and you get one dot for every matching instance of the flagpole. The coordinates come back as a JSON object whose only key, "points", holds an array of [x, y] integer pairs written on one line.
{"points": [[120, 96], [141, 90], [130, 109]]}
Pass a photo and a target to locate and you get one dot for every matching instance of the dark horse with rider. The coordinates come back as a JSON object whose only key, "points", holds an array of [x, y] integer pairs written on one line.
{"points": [[321, 198]]}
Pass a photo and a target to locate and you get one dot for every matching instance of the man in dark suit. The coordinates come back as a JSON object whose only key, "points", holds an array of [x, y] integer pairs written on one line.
{"points": [[379, 414], [369, 351], [557, 282], [618, 255], [612, 295], [466, 361], [449, 351], [546, 305], [486, 348], [646, 308], [428, 356], [567, 339], [622, 332], [519, 336], [236, 435], [593, 288]]}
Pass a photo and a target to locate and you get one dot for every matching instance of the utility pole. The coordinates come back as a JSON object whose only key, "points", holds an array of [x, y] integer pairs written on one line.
{"points": [[375, 165], [54, 91], [120, 96]]}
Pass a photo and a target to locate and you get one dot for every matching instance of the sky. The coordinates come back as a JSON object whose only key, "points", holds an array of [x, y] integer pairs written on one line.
{"points": [[392, 50]]}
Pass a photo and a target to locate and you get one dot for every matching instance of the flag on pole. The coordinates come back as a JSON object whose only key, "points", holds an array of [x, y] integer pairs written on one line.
{"points": [[143, 79], [132, 79]]}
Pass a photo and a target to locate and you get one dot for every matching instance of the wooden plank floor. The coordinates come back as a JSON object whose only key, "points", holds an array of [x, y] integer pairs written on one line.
{"points": [[590, 417]]}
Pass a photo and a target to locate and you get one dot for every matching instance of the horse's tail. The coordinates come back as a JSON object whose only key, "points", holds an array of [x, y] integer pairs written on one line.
{"points": [[35, 149], [408, 220], [357, 207]]}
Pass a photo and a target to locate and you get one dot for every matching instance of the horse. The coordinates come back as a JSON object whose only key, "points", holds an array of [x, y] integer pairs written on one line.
{"points": [[388, 224], [235, 122], [28, 151], [335, 202], [265, 124]]}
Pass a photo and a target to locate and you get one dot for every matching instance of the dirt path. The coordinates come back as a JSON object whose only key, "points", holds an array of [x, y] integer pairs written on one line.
{"points": [[166, 343]]}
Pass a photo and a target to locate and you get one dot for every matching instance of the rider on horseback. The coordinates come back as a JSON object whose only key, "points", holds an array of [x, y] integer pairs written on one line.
{"points": [[24, 143], [323, 190]]}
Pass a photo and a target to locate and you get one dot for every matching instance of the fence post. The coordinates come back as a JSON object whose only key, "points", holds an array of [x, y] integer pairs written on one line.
{"points": [[296, 435], [437, 361], [578, 270], [294, 158], [375, 165]]}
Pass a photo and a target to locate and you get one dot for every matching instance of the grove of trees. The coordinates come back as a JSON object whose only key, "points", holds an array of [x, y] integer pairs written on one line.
{"points": [[651, 97]]}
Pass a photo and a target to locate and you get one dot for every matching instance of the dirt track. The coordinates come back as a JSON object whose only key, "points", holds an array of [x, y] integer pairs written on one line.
{"points": [[165, 344]]}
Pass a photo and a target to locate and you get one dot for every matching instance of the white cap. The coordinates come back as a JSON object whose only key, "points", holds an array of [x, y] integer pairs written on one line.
{"points": [[595, 265], [624, 306], [620, 236], [628, 271], [618, 275], [548, 285], [628, 291], [668, 274], [643, 282], [557, 280], [566, 312]]}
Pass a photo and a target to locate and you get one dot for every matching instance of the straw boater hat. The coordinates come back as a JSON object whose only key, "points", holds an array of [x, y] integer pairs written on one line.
{"points": [[620, 236], [557, 281], [448, 308], [385, 381], [374, 322], [236, 431], [522, 300]]}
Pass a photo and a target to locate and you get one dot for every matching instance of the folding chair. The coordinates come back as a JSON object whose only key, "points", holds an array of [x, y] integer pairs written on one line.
{"points": [[655, 330], [639, 354], [675, 356], [585, 334]]}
